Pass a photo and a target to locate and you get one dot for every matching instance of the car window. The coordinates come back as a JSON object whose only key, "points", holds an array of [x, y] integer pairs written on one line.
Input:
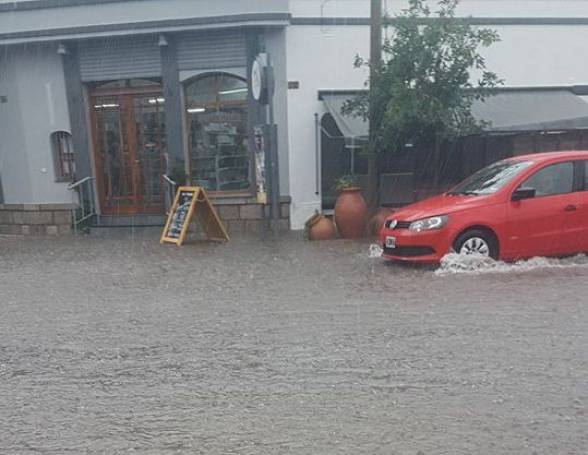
{"points": [[551, 180], [491, 178]]}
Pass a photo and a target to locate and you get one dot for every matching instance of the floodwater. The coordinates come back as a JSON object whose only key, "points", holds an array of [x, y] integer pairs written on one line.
{"points": [[112, 344]]}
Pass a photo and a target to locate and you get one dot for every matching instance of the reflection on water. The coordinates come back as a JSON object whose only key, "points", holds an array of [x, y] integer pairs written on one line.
{"points": [[454, 263]]}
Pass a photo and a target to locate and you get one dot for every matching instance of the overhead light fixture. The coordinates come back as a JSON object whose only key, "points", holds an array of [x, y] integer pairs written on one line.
{"points": [[233, 91], [104, 106], [157, 100], [61, 49], [196, 110], [162, 41]]}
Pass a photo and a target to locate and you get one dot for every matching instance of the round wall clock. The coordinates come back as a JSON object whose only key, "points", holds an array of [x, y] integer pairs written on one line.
{"points": [[256, 81]]}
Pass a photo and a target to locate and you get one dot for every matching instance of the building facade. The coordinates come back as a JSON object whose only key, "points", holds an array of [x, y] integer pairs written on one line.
{"points": [[128, 95]]}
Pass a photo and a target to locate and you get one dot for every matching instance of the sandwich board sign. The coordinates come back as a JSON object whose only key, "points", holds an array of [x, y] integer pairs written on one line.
{"points": [[191, 202]]}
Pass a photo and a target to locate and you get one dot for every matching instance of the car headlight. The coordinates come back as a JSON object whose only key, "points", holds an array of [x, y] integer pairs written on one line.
{"points": [[428, 224], [391, 224]]}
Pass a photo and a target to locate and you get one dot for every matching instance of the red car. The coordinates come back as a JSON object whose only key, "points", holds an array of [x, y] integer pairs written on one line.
{"points": [[532, 205]]}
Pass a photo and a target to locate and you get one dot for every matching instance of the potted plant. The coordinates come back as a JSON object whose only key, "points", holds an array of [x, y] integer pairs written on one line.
{"points": [[350, 208], [319, 227]]}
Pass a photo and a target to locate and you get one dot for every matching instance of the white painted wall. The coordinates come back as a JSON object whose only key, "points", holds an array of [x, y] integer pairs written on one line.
{"points": [[476, 8], [37, 106], [319, 59], [330, 8], [540, 55]]}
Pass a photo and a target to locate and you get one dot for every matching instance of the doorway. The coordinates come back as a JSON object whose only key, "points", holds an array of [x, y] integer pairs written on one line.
{"points": [[128, 123]]}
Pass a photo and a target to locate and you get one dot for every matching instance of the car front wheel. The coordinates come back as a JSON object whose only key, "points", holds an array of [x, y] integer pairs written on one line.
{"points": [[476, 241]]}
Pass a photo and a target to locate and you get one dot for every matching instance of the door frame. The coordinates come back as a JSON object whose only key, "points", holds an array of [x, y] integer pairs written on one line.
{"points": [[127, 95]]}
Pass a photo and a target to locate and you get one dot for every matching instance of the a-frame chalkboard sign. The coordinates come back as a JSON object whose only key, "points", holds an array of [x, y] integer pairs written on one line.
{"points": [[191, 202]]}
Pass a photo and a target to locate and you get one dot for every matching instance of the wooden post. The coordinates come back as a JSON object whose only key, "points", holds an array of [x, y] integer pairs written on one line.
{"points": [[373, 186]]}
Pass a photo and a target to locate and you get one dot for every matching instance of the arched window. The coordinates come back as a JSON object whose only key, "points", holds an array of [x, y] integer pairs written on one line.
{"points": [[63, 156], [216, 111]]}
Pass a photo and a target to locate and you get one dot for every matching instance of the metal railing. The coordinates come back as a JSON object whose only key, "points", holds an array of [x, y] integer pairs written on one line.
{"points": [[169, 192], [86, 201]]}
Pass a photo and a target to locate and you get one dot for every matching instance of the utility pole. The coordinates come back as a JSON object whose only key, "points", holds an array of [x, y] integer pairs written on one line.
{"points": [[375, 66]]}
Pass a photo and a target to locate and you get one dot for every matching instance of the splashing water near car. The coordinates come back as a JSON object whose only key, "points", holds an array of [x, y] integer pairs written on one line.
{"points": [[473, 264], [375, 251]]}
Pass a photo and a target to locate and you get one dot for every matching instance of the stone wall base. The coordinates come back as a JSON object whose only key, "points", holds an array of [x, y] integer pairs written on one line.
{"points": [[249, 218], [56, 219], [36, 219]]}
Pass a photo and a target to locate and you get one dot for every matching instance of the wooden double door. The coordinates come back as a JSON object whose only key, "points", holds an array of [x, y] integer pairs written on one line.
{"points": [[129, 149]]}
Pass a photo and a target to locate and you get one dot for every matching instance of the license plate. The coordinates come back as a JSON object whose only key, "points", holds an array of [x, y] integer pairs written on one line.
{"points": [[390, 242]]}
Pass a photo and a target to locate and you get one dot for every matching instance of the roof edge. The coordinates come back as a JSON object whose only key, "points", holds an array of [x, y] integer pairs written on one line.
{"points": [[89, 31], [48, 4]]}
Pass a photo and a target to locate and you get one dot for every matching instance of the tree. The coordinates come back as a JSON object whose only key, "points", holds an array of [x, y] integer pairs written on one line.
{"points": [[430, 75]]}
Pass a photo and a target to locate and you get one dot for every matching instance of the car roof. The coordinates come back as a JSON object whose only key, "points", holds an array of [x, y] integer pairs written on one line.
{"points": [[546, 157]]}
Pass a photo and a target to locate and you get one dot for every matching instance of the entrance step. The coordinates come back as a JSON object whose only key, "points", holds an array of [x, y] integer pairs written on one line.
{"points": [[128, 221]]}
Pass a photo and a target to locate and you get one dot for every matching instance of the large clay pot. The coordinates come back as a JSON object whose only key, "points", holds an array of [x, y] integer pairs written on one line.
{"points": [[377, 221], [350, 213], [321, 228]]}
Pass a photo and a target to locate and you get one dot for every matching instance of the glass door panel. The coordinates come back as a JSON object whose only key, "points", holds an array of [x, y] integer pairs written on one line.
{"points": [[129, 142], [149, 122], [114, 167]]}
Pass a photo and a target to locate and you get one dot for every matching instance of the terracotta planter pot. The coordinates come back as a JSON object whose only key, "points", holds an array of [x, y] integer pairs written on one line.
{"points": [[321, 228], [377, 221], [350, 213]]}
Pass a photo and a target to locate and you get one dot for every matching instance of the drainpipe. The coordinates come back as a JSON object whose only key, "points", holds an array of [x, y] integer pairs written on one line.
{"points": [[317, 158]]}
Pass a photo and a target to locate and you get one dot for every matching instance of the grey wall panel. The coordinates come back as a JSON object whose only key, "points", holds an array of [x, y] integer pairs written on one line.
{"points": [[173, 113], [119, 58], [14, 161], [77, 112], [212, 50], [31, 79]]}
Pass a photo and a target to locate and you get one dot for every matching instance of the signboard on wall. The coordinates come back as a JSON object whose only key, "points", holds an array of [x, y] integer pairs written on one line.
{"points": [[259, 151], [191, 202]]}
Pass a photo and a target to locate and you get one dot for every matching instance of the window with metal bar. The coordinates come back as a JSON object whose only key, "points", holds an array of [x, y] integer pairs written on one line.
{"points": [[63, 156]]}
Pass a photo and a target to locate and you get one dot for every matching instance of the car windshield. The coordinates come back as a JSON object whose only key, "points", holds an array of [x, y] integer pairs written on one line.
{"points": [[491, 178]]}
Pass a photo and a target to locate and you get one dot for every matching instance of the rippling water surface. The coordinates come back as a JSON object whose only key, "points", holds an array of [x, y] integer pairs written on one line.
{"points": [[112, 343]]}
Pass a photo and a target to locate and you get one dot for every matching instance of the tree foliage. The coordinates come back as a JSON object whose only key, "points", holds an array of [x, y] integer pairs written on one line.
{"points": [[430, 75]]}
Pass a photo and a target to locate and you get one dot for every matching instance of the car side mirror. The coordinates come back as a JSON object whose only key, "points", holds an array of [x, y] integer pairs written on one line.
{"points": [[523, 193]]}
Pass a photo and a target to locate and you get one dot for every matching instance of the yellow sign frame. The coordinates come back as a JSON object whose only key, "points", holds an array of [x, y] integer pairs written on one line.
{"points": [[201, 208]]}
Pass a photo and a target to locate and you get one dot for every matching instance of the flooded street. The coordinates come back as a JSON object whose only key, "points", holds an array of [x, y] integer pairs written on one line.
{"points": [[112, 343]]}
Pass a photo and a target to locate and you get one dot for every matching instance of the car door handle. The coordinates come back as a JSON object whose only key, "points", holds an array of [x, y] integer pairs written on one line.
{"points": [[570, 208]]}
